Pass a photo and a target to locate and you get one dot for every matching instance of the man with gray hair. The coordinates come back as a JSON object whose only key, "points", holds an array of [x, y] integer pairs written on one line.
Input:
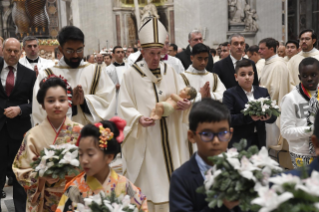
{"points": [[32, 59], [194, 37], [225, 68]]}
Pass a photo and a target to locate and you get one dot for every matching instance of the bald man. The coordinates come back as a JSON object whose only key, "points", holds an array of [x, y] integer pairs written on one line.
{"points": [[1, 43], [17, 83], [100, 60]]}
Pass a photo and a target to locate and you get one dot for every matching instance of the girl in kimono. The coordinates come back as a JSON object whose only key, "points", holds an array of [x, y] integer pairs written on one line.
{"points": [[98, 146], [44, 193]]}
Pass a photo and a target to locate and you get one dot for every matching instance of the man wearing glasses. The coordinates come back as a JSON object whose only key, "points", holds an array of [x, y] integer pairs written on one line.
{"points": [[307, 42], [93, 90]]}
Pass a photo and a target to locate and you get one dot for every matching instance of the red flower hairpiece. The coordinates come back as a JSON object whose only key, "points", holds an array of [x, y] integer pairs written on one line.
{"points": [[105, 135], [120, 124]]}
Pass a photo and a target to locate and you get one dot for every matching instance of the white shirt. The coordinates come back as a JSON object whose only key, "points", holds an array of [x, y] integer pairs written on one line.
{"points": [[250, 95], [272, 57], [234, 60], [312, 50], [5, 72]]}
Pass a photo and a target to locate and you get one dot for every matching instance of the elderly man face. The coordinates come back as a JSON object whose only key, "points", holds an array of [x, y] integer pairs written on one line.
{"points": [[99, 59], [281, 51], [152, 57], [11, 51], [195, 39]]}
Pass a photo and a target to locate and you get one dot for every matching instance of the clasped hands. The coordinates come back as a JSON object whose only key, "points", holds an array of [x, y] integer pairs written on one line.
{"points": [[12, 112], [260, 118], [205, 90], [181, 105], [78, 95]]}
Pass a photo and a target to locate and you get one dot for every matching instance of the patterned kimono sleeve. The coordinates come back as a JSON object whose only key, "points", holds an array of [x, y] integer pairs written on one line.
{"points": [[22, 166], [137, 197]]}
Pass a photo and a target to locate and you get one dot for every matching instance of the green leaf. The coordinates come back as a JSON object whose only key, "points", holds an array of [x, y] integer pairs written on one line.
{"points": [[220, 203]]}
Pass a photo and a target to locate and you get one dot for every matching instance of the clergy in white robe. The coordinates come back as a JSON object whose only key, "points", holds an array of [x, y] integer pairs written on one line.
{"points": [[40, 62], [307, 43], [93, 91], [274, 77], [259, 66], [152, 150], [293, 64], [174, 62], [99, 92]]}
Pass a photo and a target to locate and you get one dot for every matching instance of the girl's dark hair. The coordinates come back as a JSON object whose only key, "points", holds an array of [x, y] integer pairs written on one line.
{"points": [[49, 83], [113, 147]]}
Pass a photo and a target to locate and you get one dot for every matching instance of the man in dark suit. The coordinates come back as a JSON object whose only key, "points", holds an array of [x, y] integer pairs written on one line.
{"points": [[16, 91], [194, 38], [225, 68], [248, 127]]}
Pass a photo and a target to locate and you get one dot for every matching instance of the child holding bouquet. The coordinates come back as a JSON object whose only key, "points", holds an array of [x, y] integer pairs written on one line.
{"points": [[298, 110], [248, 127], [98, 146], [44, 193]]}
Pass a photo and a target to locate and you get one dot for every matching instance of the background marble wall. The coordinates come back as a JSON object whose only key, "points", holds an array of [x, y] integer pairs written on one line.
{"points": [[212, 15]]}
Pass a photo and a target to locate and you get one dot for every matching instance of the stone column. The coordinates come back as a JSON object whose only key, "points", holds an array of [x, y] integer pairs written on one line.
{"points": [[5, 12]]}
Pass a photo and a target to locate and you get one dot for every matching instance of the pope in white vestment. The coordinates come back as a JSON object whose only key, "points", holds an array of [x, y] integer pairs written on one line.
{"points": [[151, 153], [293, 65], [98, 88]]}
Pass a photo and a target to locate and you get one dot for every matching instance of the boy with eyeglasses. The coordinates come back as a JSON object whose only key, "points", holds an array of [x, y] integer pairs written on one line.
{"points": [[209, 129], [251, 128]]}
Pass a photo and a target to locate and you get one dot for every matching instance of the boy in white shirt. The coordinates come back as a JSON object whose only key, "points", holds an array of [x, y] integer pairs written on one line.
{"points": [[297, 109]]}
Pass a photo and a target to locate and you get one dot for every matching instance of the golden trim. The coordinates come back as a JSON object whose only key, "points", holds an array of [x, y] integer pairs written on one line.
{"points": [[137, 68], [155, 30], [68, 67], [186, 81], [152, 45], [197, 73], [96, 79], [165, 68], [215, 82]]}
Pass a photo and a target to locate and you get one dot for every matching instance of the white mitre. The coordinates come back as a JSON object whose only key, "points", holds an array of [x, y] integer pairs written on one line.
{"points": [[152, 34]]}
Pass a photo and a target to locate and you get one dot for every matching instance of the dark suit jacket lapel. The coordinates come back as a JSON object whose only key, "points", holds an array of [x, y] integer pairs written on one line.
{"points": [[230, 66], [241, 93], [256, 92], [20, 74], [197, 176], [188, 51], [1, 67]]}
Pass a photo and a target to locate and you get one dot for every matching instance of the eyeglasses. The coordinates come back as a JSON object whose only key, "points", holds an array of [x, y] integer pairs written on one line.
{"points": [[71, 51], [208, 136]]}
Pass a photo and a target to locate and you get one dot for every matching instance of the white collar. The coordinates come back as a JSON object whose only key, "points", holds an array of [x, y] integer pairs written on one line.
{"points": [[252, 91], [312, 50], [194, 70], [234, 59], [15, 67], [272, 57]]}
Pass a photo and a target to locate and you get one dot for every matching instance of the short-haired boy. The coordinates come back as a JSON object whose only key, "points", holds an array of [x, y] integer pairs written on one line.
{"points": [[296, 109], [251, 128], [209, 129]]}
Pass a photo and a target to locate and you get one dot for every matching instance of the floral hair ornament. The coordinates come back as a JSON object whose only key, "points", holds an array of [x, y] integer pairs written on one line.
{"points": [[105, 135], [68, 87], [120, 124]]}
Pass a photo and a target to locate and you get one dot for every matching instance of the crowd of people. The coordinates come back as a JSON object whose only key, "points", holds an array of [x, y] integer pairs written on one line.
{"points": [[163, 109]]}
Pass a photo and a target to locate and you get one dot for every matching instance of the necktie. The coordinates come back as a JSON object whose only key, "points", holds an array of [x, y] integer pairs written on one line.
{"points": [[10, 81]]}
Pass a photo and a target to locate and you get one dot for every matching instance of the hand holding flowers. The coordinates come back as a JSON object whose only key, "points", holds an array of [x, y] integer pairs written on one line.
{"points": [[263, 108]]}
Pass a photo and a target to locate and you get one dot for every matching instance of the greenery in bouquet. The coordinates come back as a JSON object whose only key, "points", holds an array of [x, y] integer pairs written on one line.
{"points": [[235, 174], [102, 203], [289, 194], [261, 107], [57, 161]]}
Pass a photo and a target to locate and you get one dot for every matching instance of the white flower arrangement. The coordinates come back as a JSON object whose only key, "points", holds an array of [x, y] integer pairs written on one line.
{"points": [[235, 175], [102, 203], [261, 107], [289, 193], [58, 161]]}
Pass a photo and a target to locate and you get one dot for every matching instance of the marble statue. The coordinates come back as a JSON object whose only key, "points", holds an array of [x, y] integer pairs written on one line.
{"points": [[250, 19], [149, 10], [236, 9]]}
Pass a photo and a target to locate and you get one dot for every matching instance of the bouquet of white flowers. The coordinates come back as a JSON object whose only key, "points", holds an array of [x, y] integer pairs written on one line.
{"points": [[261, 107], [102, 203], [235, 174], [288, 194], [58, 161]]}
